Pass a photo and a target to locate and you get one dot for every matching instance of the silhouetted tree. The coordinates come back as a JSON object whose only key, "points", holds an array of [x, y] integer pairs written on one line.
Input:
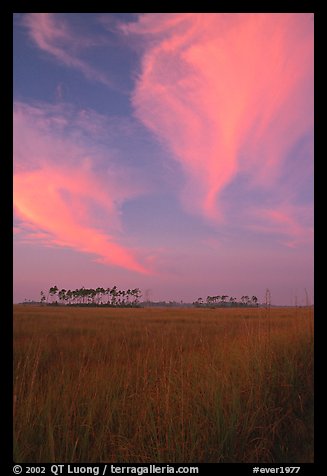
{"points": [[53, 291], [255, 300], [62, 295]]}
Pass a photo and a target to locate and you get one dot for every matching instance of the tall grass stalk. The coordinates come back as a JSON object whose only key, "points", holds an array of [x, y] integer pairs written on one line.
{"points": [[163, 385]]}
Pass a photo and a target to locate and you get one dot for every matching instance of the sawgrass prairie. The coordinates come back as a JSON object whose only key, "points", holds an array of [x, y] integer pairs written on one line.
{"points": [[163, 385]]}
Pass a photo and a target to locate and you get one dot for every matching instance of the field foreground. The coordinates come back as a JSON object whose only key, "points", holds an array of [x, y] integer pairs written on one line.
{"points": [[163, 385]]}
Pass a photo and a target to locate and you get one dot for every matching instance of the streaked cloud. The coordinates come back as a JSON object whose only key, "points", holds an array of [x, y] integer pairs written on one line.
{"points": [[53, 35], [59, 194], [193, 171], [231, 95], [292, 224]]}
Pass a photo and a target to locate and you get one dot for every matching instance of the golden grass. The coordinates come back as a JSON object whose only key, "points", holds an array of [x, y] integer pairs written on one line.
{"points": [[163, 385]]}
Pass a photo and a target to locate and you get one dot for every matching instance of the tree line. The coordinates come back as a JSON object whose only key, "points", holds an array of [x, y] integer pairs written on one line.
{"points": [[114, 297], [226, 301], [100, 296]]}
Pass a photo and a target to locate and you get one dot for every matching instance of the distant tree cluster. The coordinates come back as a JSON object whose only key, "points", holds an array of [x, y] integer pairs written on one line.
{"points": [[226, 301], [100, 296]]}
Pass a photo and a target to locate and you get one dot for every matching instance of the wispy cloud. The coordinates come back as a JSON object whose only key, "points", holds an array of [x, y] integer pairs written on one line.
{"points": [[231, 95], [53, 35], [58, 192], [293, 225]]}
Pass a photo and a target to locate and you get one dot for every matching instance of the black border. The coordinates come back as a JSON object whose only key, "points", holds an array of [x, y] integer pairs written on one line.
{"points": [[6, 190]]}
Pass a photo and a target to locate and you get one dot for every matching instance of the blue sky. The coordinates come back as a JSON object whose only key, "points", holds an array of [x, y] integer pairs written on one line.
{"points": [[171, 152]]}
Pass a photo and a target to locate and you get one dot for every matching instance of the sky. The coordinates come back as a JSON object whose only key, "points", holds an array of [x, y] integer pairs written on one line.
{"points": [[167, 151]]}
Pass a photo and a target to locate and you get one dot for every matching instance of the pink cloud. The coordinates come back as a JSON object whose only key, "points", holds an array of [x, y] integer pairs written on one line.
{"points": [[17, 230], [292, 224], [228, 94], [58, 197], [52, 35], [39, 198]]}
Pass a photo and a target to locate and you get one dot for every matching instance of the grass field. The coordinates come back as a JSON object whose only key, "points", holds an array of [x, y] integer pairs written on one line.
{"points": [[163, 385]]}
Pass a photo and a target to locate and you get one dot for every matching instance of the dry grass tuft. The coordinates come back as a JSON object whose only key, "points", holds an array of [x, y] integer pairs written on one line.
{"points": [[163, 385]]}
